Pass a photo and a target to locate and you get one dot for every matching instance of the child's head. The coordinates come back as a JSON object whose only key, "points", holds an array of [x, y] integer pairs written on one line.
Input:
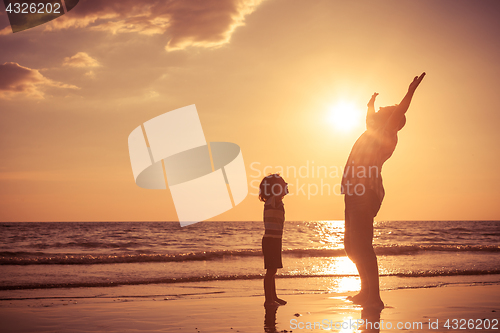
{"points": [[272, 185]]}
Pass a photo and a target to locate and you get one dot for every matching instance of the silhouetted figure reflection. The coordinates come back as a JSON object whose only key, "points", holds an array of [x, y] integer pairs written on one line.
{"points": [[270, 318], [363, 189], [371, 320]]}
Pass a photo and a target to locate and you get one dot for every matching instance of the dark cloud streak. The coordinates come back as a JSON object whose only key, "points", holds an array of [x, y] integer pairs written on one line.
{"points": [[19, 80], [202, 23]]}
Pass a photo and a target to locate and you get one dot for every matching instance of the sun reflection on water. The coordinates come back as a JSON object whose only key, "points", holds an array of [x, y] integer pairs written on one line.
{"points": [[347, 284], [339, 271], [337, 266], [331, 233]]}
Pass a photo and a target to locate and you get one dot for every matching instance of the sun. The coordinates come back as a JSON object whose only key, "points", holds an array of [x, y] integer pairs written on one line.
{"points": [[344, 116]]}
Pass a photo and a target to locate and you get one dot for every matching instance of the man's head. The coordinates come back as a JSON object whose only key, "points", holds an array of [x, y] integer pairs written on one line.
{"points": [[381, 118]]}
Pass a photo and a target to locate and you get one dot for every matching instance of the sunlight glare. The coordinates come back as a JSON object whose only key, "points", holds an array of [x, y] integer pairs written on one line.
{"points": [[350, 283], [337, 266], [345, 116]]}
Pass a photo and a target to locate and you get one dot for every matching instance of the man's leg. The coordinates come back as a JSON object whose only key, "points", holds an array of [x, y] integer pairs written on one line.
{"points": [[360, 211], [366, 258], [350, 250]]}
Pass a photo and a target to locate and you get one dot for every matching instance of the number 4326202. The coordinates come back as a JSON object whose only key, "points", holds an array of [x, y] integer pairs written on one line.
{"points": [[469, 324], [33, 8]]}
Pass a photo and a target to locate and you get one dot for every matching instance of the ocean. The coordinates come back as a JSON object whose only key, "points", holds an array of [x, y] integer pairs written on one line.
{"points": [[212, 259]]}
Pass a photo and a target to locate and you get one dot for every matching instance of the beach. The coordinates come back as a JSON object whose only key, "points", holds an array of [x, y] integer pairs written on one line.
{"points": [[159, 277], [462, 307], [139, 140]]}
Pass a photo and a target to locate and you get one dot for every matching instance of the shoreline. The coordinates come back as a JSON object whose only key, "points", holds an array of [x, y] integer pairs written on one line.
{"points": [[476, 304]]}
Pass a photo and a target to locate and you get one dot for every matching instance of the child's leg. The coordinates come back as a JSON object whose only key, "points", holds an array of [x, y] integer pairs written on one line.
{"points": [[276, 299], [270, 286]]}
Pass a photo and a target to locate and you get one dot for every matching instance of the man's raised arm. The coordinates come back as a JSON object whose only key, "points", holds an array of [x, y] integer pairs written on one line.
{"points": [[398, 114], [371, 111]]}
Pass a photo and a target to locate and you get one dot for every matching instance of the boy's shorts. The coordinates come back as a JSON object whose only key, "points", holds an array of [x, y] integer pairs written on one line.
{"points": [[271, 247]]}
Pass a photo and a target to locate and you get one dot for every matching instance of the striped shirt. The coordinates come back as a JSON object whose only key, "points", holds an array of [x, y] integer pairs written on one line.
{"points": [[274, 218], [364, 165]]}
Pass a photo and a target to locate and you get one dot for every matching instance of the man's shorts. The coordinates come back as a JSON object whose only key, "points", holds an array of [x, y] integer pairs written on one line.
{"points": [[359, 214]]}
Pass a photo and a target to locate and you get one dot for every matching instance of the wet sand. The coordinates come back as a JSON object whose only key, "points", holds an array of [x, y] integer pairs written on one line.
{"points": [[465, 307]]}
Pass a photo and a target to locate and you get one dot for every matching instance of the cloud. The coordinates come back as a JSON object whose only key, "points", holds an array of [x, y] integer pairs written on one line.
{"points": [[202, 23], [19, 80], [90, 74], [6, 31], [81, 60]]}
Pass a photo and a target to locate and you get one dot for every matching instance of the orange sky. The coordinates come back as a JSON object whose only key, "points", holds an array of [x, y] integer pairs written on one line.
{"points": [[264, 75]]}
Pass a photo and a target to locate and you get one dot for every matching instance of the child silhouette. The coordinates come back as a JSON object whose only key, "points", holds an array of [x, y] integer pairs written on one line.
{"points": [[272, 190]]}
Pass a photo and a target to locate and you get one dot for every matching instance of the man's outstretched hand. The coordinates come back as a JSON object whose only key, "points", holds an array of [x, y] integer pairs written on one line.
{"points": [[416, 82], [371, 103]]}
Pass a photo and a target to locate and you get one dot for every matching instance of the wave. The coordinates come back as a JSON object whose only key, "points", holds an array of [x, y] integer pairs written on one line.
{"points": [[235, 277], [25, 258], [40, 258]]}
